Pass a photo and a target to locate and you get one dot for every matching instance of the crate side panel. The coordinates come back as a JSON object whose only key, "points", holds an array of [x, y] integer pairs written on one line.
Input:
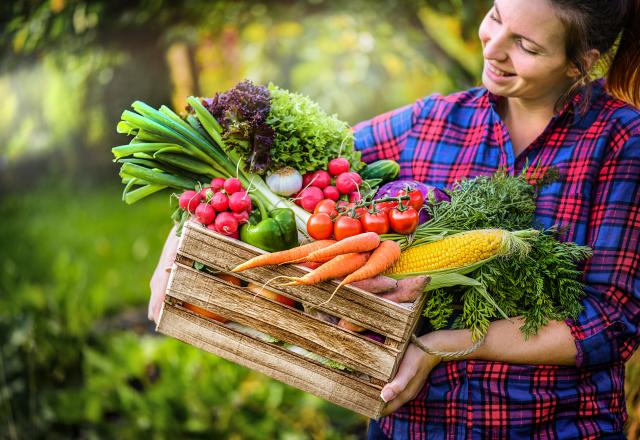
{"points": [[275, 319], [272, 361], [357, 306]]}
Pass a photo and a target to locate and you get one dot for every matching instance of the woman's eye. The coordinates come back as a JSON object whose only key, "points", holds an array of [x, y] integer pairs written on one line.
{"points": [[494, 18], [532, 52]]}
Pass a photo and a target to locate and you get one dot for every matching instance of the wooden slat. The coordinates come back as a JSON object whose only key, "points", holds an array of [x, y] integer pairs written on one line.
{"points": [[360, 307], [275, 319], [273, 361]]}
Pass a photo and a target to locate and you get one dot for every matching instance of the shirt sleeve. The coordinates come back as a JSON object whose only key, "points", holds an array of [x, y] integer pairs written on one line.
{"points": [[385, 136], [607, 331]]}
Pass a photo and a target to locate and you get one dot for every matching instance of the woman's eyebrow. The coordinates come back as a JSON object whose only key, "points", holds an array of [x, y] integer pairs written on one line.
{"points": [[495, 6]]}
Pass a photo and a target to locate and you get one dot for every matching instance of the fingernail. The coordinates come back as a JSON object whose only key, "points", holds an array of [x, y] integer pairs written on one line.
{"points": [[387, 394]]}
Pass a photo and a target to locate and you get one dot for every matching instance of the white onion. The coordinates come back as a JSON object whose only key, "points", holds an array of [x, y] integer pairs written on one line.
{"points": [[285, 182]]}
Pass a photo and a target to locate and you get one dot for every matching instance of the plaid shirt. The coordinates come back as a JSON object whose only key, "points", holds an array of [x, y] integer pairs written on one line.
{"points": [[439, 140]]}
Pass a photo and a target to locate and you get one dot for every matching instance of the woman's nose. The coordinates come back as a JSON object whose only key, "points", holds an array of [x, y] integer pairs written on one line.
{"points": [[495, 48]]}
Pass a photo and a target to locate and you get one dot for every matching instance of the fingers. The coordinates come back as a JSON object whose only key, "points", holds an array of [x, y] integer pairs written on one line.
{"points": [[399, 383]]}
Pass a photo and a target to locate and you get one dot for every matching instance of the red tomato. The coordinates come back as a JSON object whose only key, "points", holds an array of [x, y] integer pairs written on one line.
{"points": [[416, 201], [327, 206], [320, 226], [386, 206], [378, 222], [403, 222], [346, 227], [359, 212]]}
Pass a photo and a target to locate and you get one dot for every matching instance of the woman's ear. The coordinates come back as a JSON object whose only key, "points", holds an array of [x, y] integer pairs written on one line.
{"points": [[590, 60]]}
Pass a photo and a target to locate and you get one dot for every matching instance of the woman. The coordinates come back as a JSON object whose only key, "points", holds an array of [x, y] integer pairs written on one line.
{"points": [[536, 107]]}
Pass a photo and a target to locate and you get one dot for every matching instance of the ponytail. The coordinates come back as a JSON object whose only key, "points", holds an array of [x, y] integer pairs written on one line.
{"points": [[623, 79]]}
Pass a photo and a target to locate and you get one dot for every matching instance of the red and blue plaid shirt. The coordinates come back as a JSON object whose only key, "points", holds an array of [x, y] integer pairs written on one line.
{"points": [[439, 140]]}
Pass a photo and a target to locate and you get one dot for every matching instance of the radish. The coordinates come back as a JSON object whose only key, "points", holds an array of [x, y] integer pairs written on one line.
{"points": [[306, 179], [347, 182], [310, 197], [321, 179], [207, 192], [232, 185], [226, 223], [235, 235], [338, 166], [239, 201], [241, 217], [205, 213], [189, 200], [331, 192], [217, 184], [355, 197], [220, 202]]}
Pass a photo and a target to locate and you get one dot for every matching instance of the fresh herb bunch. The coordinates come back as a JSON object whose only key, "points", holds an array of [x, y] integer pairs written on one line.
{"points": [[540, 284], [306, 137], [242, 111]]}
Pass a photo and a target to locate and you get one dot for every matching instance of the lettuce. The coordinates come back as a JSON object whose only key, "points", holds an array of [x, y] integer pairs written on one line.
{"points": [[306, 137]]}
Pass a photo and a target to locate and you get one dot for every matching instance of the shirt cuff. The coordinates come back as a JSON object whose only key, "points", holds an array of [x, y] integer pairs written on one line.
{"points": [[598, 331]]}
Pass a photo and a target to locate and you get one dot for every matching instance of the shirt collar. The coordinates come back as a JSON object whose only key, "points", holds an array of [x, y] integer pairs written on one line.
{"points": [[570, 108]]}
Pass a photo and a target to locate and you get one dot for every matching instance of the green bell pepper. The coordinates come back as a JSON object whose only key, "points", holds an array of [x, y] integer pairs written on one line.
{"points": [[271, 231]]}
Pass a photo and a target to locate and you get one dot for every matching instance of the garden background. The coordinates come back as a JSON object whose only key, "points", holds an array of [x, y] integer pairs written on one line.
{"points": [[78, 358]]}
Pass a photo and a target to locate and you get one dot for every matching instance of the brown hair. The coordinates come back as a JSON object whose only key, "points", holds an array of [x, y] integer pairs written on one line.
{"points": [[613, 28]]}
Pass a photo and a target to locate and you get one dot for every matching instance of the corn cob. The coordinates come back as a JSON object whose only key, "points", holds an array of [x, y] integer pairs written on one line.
{"points": [[456, 251]]}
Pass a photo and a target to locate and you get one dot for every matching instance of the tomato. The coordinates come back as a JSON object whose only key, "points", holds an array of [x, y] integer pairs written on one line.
{"points": [[359, 212], [378, 222], [386, 206], [416, 199], [346, 226], [320, 226], [403, 222], [327, 206], [204, 312]]}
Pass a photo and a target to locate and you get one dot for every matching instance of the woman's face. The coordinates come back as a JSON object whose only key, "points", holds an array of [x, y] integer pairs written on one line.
{"points": [[524, 51]]}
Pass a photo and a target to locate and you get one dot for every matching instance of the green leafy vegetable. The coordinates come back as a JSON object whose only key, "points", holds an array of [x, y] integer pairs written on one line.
{"points": [[307, 138]]}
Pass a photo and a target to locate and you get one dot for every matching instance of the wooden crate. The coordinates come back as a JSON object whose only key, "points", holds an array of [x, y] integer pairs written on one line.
{"points": [[374, 363]]}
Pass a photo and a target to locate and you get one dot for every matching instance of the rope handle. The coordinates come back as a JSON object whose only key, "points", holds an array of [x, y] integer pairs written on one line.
{"points": [[447, 355]]}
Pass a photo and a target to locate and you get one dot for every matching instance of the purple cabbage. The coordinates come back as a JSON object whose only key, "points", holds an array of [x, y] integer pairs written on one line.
{"points": [[429, 193]]}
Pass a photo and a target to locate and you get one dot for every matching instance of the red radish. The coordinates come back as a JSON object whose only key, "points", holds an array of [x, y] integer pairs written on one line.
{"points": [[355, 176], [355, 196], [241, 217], [189, 200], [321, 179], [205, 213], [306, 179], [338, 166], [235, 235], [206, 193], [226, 223], [331, 192], [217, 184], [347, 183], [232, 185], [220, 202], [342, 204], [239, 201], [310, 197]]}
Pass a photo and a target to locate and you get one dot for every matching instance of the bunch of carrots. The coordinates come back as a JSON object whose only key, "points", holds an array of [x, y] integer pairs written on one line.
{"points": [[355, 258]]}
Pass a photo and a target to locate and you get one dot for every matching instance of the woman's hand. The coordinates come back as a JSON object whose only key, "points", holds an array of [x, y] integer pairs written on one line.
{"points": [[411, 376], [160, 277]]}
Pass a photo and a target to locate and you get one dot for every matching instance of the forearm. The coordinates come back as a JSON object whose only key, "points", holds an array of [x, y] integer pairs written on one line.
{"points": [[553, 345]]}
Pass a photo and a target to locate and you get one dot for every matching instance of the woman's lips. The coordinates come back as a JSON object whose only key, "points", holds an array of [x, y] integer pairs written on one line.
{"points": [[497, 74]]}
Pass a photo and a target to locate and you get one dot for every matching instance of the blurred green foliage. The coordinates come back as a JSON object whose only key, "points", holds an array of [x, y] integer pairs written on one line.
{"points": [[77, 357]]}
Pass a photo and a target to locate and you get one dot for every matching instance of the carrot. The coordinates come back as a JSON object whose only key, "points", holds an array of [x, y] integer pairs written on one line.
{"points": [[348, 325], [354, 244], [335, 268], [381, 259], [283, 256]]}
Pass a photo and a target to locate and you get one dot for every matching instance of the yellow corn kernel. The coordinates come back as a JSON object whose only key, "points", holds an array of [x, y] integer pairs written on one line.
{"points": [[455, 251]]}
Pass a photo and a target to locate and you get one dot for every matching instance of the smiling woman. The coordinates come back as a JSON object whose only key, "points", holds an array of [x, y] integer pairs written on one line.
{"points": [[538, 107]]}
